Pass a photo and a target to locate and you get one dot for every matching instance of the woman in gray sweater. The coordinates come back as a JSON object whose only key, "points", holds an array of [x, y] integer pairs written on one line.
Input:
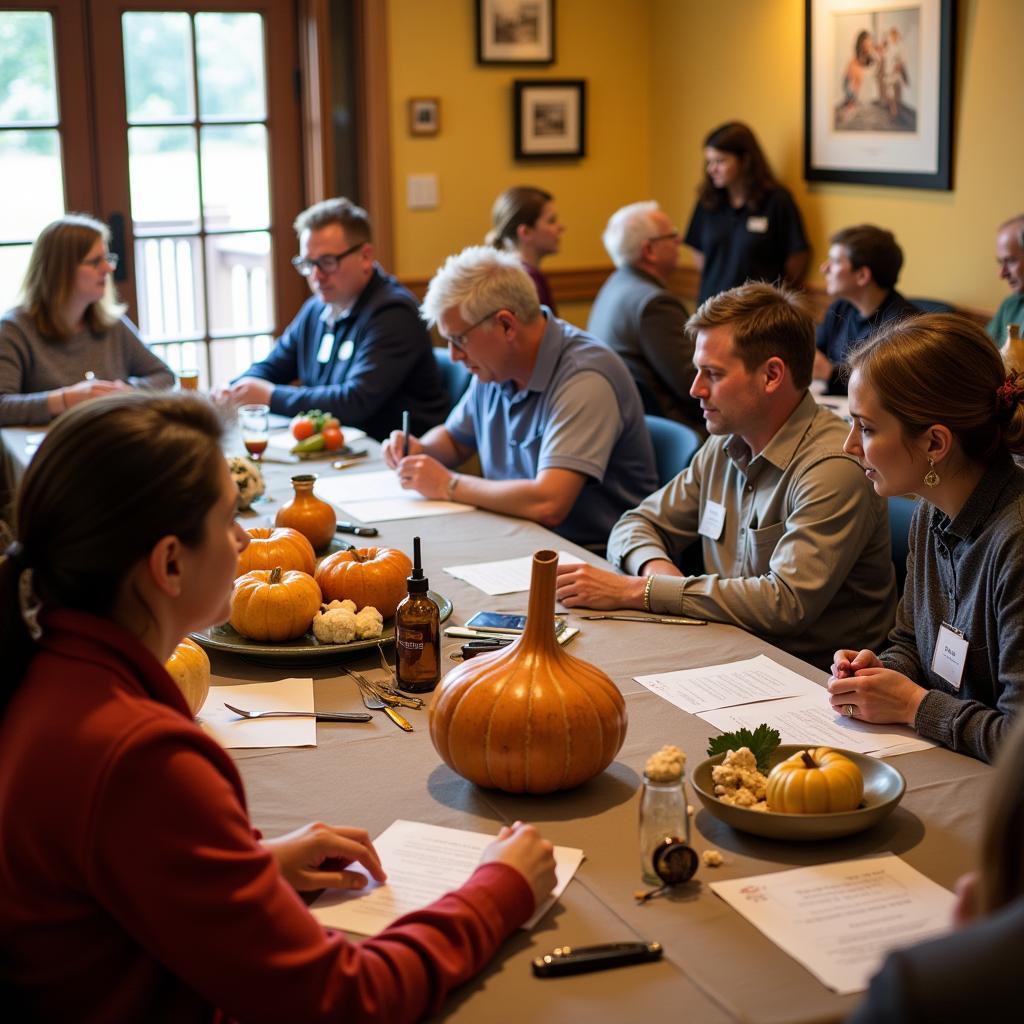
{"points": [[935, 414], [68, 340]]}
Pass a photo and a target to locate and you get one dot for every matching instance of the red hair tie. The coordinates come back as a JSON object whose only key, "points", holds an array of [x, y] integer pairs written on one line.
{"points": [[1010, 393]]}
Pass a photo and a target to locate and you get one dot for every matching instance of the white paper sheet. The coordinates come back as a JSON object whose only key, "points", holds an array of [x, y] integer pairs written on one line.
{"points": [[283, 440], [378, 496], [282, 695], [508, 576], [423, 862], [811, 720], [722, 686], [839, 920]]}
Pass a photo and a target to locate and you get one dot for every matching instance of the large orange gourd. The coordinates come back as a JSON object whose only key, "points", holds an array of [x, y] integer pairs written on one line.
{"points": [[368, 576], [267, 604], [530, 718], [281, 546]]}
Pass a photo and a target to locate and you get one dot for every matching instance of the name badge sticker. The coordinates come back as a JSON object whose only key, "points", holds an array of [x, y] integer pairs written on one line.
{"points": [[712, 522], [323, 353], [346, 350], [757, 225], [950, 655]]}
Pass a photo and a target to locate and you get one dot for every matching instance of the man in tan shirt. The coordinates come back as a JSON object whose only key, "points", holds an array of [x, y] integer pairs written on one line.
{"points": [[795, 541]]}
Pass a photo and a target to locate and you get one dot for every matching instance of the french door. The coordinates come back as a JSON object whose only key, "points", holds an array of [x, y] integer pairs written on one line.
{"points": [[179, 125]]}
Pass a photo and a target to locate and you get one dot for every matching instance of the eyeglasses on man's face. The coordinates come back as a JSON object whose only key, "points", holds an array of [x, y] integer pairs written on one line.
{"points": [[458, 341], [106, 257], [673, 234], [326, 264]]}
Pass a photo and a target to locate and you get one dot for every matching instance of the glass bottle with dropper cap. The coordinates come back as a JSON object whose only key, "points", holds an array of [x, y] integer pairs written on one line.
{"points": [[417, 633]]}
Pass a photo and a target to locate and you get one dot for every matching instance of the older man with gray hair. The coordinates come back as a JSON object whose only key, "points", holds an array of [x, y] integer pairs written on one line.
{"points": [[1010, 257], [639, 318], [554, 416]]}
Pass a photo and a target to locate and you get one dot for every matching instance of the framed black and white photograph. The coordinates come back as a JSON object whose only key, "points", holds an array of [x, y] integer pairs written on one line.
{"points": [[878, 97], [515, 31], [549, 118], [424, 116]]}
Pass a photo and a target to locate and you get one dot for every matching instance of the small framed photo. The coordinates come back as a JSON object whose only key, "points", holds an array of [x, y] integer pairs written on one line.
{"points": [[879, 92], [549, 117], [515, 31], [424, 115]]}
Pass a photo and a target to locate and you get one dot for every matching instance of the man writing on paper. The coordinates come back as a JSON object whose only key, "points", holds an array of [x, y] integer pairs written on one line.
{"points": [[795, 542], [553, 414], [358, 348]]}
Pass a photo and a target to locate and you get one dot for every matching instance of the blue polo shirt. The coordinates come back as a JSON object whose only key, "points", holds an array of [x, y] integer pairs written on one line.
{"points": [[580, 410]]}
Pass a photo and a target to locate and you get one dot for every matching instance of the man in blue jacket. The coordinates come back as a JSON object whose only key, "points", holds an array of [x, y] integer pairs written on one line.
{"points": [[358, 348]]}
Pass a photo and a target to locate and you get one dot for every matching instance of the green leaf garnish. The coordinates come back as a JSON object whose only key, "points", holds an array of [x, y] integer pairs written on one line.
{"points": [[762, 743]]}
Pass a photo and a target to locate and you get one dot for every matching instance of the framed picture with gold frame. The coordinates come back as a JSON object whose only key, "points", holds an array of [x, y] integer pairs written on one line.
{"points": [[424, 115]]}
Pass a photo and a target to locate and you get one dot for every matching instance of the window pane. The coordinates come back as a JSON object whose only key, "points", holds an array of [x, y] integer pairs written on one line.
{"points": [[30, 157], [230, 357], [235, 181], [231, 88], [184, 355], [158, 66], [239, 281], [13, 261], [28, 86], [164, 179], [169, 278]]}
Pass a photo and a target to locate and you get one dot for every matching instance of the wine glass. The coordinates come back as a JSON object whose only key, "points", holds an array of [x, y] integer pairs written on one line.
{"points": [[254, 425]]}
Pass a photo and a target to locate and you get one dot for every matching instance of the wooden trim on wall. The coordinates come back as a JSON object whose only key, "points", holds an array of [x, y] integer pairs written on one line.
{"points": [[315, 100], [374, 123]]}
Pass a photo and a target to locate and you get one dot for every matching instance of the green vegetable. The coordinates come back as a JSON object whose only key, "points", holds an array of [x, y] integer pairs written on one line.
{"points": [[762, 743], [319, 419], [313, 443]]}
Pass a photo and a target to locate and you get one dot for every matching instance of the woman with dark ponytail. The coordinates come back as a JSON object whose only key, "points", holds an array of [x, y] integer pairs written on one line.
{"points": [[132, 885], [936, 414]]}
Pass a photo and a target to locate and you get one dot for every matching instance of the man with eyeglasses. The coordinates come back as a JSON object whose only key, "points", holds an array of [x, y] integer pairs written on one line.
{"points": [[637, 316], [1010, 257], [553, 415], [358, 347]]}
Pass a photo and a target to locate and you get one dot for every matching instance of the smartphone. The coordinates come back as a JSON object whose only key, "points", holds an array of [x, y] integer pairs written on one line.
{"points": [[502, 622]]}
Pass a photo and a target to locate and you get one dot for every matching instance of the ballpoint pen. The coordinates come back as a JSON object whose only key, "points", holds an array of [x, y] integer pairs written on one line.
{"points": [[359, 531], [405, 433], [676, 620]]}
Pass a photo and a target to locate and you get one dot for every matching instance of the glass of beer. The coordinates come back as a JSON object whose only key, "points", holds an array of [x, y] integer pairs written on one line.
{"points": [[188, 380], [254, 425]]}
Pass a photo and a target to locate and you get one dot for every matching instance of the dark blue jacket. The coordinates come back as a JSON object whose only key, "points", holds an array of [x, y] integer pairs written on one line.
{"points": [[376, 362]]}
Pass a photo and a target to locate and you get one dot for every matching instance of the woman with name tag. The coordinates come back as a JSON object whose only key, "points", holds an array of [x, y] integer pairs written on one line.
{"points": [[936, 414], [745, 226], [132, 885], [68, 341]]}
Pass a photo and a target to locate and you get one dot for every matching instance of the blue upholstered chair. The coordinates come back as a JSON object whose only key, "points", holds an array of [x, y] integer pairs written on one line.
{"points": [[675, 445], [454, 376], [900, 512]]}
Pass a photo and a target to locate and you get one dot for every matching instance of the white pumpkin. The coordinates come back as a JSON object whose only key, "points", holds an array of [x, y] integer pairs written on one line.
{"points": [[248, 479]]}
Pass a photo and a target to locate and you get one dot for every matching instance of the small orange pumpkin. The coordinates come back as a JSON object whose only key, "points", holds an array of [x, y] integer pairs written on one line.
{"points": [[282, 546], [268, 604], [815, 781], [189, 667], [368, 576]]}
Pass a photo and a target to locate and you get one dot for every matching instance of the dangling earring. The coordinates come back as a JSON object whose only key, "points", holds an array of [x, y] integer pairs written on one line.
{"points": [[931, 478]]}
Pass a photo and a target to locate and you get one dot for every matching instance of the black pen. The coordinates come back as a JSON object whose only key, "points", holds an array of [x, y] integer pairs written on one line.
{"points": [[359, 531], [405, 433]]}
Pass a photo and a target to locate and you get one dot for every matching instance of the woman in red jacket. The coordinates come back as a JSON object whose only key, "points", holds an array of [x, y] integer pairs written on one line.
{"points": [[132, 886]]}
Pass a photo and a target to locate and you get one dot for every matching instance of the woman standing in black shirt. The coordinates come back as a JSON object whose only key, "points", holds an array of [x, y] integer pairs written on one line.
{"points": [[745, 225]]}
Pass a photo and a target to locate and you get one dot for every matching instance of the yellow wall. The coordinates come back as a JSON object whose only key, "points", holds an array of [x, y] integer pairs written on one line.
{"points": [[433, 53], [660, 74]]}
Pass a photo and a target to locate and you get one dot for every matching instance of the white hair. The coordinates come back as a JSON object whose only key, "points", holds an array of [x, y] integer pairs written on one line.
{"points": [[627, 231], [478, 281]]}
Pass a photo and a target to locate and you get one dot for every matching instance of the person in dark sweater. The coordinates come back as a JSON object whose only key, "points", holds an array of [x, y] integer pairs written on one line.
{"points": [[972, 974], [861, 271], [358, 349], [936, 414]]}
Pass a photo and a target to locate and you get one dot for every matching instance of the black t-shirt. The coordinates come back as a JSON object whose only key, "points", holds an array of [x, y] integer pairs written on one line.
{"points": [[751, 243], [844, 327]]}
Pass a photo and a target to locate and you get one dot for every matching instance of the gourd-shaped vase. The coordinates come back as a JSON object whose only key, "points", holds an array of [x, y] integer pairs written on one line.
{"points": [[1013, 351], [529, 718], [314, 518]]}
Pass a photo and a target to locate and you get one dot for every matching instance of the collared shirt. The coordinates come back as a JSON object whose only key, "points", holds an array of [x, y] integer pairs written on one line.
{"points": [[803, 556], [1010, 311], [843, 327], [580, 410], [967, 572]]}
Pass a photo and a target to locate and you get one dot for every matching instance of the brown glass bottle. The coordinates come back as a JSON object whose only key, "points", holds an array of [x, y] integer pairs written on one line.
{"points": [[417, 633]]}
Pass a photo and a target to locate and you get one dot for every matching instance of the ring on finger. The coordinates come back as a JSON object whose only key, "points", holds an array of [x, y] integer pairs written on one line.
{"points": [[850, 710]]}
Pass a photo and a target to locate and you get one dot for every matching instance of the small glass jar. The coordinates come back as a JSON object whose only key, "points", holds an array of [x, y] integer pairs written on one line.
{"points": [[662, 816]]}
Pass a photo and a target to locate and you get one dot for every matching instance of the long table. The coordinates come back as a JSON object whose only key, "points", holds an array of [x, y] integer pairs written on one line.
{"points": [[716, 967]]}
